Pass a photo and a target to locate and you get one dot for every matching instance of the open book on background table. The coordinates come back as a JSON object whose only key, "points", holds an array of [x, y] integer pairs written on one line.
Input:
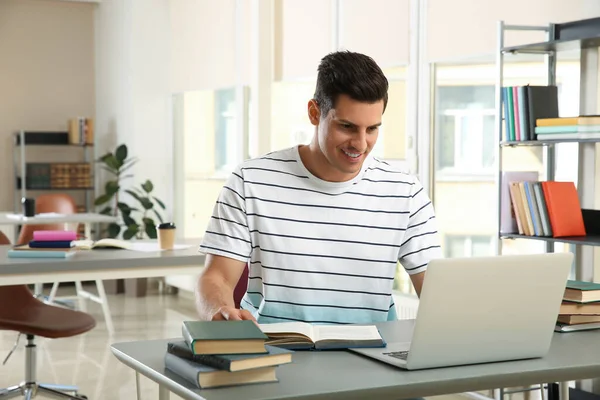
{"points": [[109, 243], [301, 335]]}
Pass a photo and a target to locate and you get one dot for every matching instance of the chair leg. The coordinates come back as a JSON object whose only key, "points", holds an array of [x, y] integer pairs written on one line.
{"points": [[29, 393], [60, 388], [10, 392], [80, 296], [58, 395]]}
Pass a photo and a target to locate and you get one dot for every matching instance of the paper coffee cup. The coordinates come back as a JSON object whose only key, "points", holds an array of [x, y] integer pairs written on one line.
{"points": [[166, 235]]}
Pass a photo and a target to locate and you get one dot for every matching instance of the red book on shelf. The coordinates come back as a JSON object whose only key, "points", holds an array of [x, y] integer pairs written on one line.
{"points": [[563, 208]]}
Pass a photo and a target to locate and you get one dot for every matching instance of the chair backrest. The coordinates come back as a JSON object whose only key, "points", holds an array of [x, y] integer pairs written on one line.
{"points": [[240, 288], [60, 203]]}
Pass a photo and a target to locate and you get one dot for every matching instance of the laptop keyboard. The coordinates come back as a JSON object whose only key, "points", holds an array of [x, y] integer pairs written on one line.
{"points": [[402, 355]]}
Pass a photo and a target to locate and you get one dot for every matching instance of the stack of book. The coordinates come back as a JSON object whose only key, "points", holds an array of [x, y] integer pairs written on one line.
{"points": [[548, 208], [523, 106], [224, 353], [46, 244], [568, 128], [580, 309]]}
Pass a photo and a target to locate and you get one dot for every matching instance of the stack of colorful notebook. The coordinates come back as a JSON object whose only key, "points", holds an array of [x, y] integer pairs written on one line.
{"points": [[224, 353], [580, 309], [46, 244]]}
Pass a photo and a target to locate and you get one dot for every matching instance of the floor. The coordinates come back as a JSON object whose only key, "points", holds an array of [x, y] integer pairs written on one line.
{"points": [[86, 360]]}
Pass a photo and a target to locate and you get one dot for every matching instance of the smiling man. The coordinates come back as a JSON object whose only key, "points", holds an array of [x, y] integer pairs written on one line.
{"points": [[321, 226]]}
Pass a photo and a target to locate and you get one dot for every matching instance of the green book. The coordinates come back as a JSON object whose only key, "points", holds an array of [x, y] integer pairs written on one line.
{"points": [[582, 292], [232, 362], [224, 337]]}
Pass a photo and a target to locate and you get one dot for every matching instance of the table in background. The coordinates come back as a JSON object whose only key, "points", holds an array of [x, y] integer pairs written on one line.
{"points": [[97, 265], [346, 375], [87, 219]]}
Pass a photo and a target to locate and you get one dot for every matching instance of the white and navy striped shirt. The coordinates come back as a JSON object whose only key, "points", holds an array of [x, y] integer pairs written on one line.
{"points": [[322, 252]]}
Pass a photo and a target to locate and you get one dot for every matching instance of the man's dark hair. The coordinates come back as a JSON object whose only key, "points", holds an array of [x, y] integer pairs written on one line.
{"points": [[353, 74]]}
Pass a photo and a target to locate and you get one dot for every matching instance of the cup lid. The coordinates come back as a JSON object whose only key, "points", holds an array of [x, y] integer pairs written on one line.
{"points": [[166, 225]]}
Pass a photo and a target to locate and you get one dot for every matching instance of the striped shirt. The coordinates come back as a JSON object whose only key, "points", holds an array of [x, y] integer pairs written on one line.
{"points": [[322, 252]]}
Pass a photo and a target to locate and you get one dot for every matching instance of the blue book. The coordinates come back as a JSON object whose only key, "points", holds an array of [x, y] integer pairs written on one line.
{"points": [[12, 253], [52, 244]]}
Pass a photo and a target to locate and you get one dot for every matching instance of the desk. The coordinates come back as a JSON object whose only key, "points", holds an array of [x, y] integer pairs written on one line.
{"points": [[96, 265], [79, 218], [345, 375]]}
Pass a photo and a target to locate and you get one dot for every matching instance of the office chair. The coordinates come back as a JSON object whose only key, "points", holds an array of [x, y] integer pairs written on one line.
{"points": [[20, 311], [60, 203], [240, 288]]}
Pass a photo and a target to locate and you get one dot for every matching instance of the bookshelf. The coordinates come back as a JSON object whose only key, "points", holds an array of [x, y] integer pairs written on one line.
{"points": [[52, 176], [582, 36]]}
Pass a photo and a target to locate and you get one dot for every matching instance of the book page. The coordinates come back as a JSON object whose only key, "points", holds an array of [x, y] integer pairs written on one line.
{"points": [[288, 327], [346, 332]]}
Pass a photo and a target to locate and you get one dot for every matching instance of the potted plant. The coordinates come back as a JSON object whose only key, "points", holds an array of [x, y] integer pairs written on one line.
{"points": [[135, 222]]}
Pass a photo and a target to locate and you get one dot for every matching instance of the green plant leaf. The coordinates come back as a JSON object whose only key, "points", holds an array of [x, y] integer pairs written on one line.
{"points": [[130, 232], [112, 162], [147, 186], [128, 164], [150, 228], [111, 187], [133, 194], [146, 203], [113, 230], [160, 203], [121, 154], [106, 211], [102, 199], [160, 218], [128, 220]]}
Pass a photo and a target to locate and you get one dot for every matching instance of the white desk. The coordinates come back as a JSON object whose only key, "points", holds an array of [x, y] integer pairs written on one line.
{"points": [[8, 218], [97, 265]]}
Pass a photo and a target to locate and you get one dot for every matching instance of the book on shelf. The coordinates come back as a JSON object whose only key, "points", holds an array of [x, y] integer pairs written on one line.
{"points": [[508, 219], [567, 121], [203, 376], [223, 337], [232, 362], [546, 209], [301, 335], [523, 106]]}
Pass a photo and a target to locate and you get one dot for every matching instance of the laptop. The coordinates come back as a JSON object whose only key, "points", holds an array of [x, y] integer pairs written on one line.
{"points": [[482, 309]]}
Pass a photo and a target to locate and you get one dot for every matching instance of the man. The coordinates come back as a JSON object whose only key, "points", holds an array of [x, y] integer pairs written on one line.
{"points": [[321, 226]]}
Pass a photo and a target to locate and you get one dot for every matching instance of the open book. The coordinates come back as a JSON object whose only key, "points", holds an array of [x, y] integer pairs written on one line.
{"points": [[106, 243], [301, 335]]}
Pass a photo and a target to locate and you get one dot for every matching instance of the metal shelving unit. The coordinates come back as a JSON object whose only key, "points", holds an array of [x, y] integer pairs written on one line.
{"points": [[20, 143]]}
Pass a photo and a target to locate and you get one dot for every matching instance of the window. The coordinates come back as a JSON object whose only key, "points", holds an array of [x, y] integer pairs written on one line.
{"points": [[467, 246], [227, 140], [465, 130]]}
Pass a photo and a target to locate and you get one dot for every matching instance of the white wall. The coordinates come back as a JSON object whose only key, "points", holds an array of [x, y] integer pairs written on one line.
{"points": [[46, 77], [133, 100], [462, 28]]}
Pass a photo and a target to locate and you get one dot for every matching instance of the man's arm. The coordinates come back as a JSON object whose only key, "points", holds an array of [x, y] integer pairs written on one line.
{"points": [[417, 280], [214, 294]]}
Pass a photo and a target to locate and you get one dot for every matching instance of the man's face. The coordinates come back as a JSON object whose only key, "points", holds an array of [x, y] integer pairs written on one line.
{"points": [[345, 136]]}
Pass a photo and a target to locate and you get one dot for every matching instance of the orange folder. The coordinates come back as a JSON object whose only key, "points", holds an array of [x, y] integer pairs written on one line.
{"points": [[563, 208]]}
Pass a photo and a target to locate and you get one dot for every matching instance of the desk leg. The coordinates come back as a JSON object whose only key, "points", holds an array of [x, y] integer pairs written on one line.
{"points": [[563, 389], [138, 390], [105, 309], [163, 393]]}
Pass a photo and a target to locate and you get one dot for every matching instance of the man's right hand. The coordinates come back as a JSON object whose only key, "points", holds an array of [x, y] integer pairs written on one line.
{"points": [[232, 314]]}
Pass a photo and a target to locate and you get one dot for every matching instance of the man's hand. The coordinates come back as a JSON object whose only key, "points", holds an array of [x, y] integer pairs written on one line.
{"points": [[232, 314]]}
